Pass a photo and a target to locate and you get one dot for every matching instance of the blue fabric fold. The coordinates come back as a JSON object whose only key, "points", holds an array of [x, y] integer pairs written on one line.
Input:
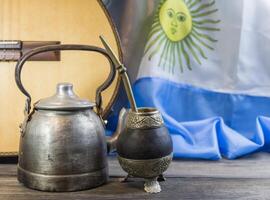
{"points": [[203, 124]]}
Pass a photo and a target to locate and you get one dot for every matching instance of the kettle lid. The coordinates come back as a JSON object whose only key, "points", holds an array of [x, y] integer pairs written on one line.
{"points": [[64, 100]]}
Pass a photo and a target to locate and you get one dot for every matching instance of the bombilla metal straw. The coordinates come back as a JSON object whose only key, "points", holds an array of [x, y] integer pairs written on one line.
{"points": [[123, 74]]}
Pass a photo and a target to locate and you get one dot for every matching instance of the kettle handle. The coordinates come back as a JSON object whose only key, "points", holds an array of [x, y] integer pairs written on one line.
{"points": [[64, 47]]}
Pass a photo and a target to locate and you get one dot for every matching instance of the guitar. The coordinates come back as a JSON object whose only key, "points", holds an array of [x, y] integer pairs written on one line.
{"points": [[25, 24]]}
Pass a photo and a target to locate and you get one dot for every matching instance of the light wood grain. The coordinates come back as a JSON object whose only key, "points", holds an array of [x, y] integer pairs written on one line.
{"points": [[68, 21]]}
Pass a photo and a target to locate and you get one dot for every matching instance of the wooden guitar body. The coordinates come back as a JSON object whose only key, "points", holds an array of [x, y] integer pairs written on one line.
{"points": [[66, 21]]}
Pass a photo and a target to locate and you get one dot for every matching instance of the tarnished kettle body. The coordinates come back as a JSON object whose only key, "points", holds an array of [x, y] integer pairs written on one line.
{"points": [[62, 145], [63, 150]]}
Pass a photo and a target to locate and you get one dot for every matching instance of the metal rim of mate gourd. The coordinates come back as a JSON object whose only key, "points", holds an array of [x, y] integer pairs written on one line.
{"points": [[146, 117]]}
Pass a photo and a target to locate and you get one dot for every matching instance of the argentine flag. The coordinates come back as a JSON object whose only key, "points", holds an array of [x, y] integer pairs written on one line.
{"points": [[206, 67]]}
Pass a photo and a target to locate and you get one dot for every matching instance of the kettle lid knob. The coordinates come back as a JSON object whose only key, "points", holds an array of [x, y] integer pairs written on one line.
{"points": [[65, 89]]}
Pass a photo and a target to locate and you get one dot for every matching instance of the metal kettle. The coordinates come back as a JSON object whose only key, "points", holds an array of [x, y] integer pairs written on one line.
{"points": [[63, 145]]}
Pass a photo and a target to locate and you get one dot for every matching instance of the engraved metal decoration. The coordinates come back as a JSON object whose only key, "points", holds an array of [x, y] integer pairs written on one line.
{"points": [[144, 120], [145, 168], [148, 169]]}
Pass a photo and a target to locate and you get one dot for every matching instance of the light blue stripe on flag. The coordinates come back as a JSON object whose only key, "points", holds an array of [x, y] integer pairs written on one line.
{"points": [[188, 112]]}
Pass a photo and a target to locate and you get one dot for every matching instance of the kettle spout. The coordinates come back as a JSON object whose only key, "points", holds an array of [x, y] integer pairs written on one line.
{"points": [[111, 141]]}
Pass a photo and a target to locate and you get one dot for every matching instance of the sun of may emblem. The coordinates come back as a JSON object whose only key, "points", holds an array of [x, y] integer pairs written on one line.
{"points": [[179, 33]]}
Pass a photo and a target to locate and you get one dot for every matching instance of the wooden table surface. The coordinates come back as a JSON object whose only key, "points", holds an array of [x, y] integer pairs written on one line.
{"points": [[245, 178]]}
